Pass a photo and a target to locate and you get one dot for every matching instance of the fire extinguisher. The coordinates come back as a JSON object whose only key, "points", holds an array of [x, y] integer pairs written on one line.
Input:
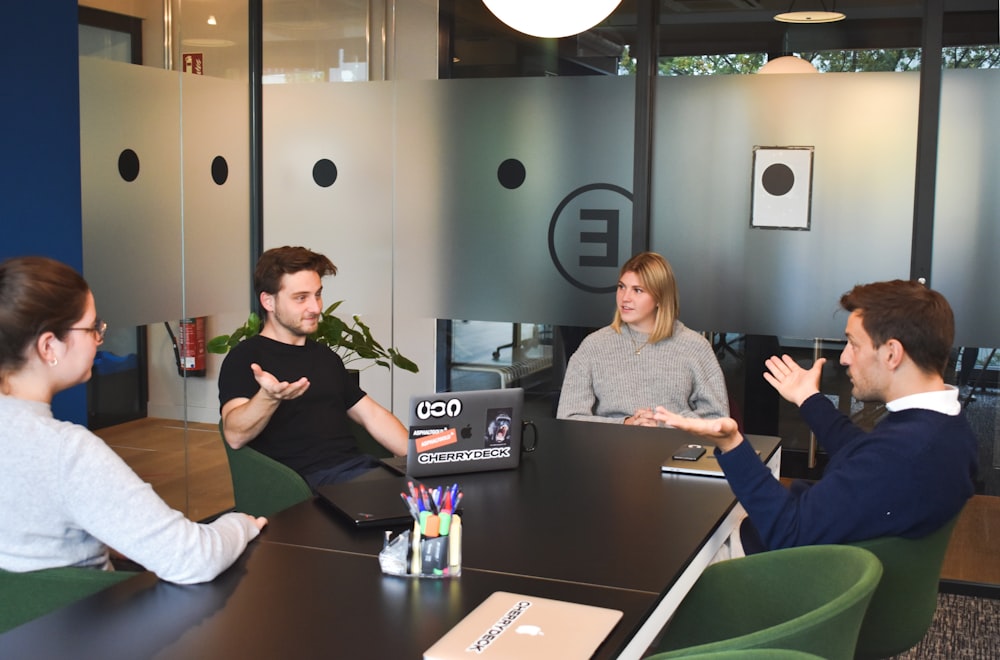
{"points": [[189, 348]]}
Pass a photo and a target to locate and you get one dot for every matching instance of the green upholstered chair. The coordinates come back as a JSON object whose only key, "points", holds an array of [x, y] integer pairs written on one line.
{"points": [[366, 443], [903, 606], [27, 596], [810, 599], [754, 654], [261, 485]]}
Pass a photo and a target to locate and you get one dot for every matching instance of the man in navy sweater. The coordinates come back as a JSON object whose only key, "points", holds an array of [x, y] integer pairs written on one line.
{"points": [[906, 477]]}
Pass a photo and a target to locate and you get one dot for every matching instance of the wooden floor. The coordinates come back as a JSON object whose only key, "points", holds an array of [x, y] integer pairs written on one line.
{"points": [[972, 555], [157, 451]]}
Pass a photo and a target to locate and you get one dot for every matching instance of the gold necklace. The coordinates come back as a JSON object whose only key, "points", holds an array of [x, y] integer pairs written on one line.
{"points": [[638, 347]]}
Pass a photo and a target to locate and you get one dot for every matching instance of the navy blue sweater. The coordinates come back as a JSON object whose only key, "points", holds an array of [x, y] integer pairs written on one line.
{"points": [[906, 477]]}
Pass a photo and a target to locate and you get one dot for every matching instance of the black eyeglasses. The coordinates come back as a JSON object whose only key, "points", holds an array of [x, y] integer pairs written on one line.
{"points": [[99, 328]]}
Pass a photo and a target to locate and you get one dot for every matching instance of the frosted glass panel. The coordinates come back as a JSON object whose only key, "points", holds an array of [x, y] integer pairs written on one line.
{"points": [[488, 171], [966, 268], [782, 282], [216, 196], [328, 158], [130, 129]]}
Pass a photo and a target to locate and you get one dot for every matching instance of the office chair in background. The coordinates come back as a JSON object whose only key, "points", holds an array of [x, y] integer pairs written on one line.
{"points": [[366, 443], [27, 596], [261, 485], [754, 654], [901, 611], [810, 599]]}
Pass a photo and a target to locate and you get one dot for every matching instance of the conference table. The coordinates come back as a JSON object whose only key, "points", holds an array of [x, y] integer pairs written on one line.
{"points": [[588, 517]]}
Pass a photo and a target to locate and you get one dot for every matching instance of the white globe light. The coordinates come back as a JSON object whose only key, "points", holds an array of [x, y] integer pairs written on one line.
{"points": [[551, 18], [787, 64]]}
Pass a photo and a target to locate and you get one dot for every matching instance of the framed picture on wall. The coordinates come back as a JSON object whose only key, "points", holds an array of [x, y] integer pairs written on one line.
{"points": [[781, 191]]}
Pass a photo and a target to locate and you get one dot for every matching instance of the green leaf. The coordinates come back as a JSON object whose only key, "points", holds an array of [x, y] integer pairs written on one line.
{"points": [[403, 362], [352, 342], [219, 345]]}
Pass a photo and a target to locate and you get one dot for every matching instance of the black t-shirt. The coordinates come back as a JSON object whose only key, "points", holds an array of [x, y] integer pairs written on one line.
{"points": [[307, 434]]}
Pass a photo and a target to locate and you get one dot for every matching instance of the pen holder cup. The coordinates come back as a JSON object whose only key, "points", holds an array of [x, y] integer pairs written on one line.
{"points": [[435, 553]]}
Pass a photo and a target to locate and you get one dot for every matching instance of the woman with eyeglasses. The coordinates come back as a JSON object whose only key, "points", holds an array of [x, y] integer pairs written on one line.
{"points": [[65, 496]]}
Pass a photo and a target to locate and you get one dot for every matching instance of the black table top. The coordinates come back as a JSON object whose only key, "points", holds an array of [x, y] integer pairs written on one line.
{"points": [[590, 505], [588, 518], [282, 601]]}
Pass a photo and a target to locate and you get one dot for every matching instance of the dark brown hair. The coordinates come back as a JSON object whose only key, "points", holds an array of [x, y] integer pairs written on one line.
{"points": [[278, 262], [37, 295], [905, 310]]}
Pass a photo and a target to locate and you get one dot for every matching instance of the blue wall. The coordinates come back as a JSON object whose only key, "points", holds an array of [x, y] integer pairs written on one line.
{"points": [[40, 168]]}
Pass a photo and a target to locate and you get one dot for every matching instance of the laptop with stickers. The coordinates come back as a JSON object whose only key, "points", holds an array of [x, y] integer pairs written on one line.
{"points": [[508, 625], [459, 432]]}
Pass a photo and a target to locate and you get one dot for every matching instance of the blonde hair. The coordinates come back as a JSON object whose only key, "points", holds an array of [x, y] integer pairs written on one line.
{"points": [[657, 278]]}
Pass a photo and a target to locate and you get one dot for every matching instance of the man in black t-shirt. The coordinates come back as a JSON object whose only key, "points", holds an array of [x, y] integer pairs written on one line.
{"points": [[291, 396]]}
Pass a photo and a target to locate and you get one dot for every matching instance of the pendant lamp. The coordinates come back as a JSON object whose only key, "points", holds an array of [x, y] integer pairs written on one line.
{"points": [[811, 16], [787, 64], [551, 18]]}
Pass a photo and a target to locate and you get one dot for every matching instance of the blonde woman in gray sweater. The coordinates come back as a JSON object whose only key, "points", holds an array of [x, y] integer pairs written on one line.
{"points": [[645, 358], [65, 496]]}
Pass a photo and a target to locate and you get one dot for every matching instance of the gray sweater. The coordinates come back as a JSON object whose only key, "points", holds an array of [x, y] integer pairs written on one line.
{"points": [[606, 381], [65, 497]]}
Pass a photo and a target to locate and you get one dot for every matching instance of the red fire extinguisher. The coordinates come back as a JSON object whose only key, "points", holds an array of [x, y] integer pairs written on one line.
{"points": [[189, 346]]}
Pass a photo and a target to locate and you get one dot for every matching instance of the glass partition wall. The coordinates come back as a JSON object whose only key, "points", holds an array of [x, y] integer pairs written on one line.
{"points": [[165, 167], [754, 285], [479, 207]]}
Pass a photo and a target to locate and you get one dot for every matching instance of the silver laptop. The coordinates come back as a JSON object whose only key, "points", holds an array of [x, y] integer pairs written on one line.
{"points": [[687, 460], [459, 432], [521, 627]]}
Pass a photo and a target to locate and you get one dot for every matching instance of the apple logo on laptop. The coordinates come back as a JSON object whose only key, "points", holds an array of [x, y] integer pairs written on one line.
{"points": [[466, 431], [527, 629]]}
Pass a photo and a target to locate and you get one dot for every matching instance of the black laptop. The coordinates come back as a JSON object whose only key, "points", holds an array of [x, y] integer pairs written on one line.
{"points": [[368, 502]]}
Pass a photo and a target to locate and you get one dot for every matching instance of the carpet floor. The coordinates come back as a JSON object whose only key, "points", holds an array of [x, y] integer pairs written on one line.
{"points": [[964, 628]]}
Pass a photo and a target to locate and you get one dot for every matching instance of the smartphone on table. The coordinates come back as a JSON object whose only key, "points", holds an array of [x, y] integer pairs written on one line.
{"points": [[689, 453]]}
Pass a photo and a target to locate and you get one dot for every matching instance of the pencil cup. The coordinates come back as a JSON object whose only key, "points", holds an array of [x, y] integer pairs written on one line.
{"points": [[436, 552]]}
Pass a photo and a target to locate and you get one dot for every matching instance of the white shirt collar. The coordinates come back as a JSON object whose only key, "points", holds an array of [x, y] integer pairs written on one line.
{"points": [[942, 401]]}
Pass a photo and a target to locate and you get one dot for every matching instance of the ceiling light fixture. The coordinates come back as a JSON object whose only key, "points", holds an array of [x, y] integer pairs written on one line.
{"points": [[211, 20], [812, 16], [787, 64], [551, 18]]}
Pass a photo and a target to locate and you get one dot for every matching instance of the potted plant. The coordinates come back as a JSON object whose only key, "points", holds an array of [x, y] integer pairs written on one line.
{"points": [[352, 342]]}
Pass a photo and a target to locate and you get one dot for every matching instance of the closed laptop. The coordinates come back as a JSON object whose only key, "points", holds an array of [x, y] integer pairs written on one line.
{"points": [[522, 627], [374, 502]]}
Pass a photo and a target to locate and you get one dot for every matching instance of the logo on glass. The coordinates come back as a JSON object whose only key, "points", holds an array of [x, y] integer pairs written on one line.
{"points": [[590, 236]]}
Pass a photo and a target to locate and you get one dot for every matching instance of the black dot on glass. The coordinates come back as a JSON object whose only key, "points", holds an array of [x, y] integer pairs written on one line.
{"points": [[324, 173], [220, 170], [128, 165], [510, 174], [778, 179]]}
